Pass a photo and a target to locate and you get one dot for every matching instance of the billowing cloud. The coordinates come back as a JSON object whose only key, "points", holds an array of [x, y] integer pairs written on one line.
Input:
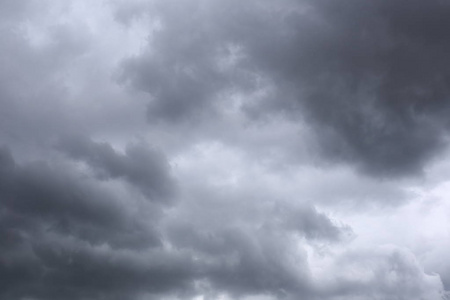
{"points": [[369, 76], [57, 228], [145, 168], [200, 149], [64, 235], [386, 272], [383, 66]]}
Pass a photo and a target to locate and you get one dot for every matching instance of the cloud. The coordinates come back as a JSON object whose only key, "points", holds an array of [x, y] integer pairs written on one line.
{"points": [[371, 82], [223, 150], [386, 272], [247, 241], [144, 168], [184, 74], [65, 234], [58, 230], [370, 76]]}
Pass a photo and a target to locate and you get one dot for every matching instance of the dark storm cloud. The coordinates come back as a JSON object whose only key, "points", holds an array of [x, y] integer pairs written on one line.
{"points": [[370, 76], [75, 223], [64, 237], [141, 166]]}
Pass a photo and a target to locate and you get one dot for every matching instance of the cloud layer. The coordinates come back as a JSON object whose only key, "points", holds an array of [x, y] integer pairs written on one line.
{"points": [[224, 150]]}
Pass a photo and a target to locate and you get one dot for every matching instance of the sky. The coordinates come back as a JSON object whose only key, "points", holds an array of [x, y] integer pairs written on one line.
{"points": [[224, 149]]}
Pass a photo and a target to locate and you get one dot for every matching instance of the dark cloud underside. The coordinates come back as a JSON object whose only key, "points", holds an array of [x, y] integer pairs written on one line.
{"points": [[370, 76], [144, 168], [63, 236], [219, 196]]}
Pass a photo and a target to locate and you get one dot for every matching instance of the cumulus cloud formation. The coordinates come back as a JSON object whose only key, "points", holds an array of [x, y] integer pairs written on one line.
{"points": [[382, 63], [142, 167], [224, 150]]}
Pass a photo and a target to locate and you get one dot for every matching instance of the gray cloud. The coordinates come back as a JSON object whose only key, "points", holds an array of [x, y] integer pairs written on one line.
{"points": [[311, 224], [243, 262], [385, 273], [373, 84], [145, 168], [247, 249], [226, 195], [58, 230], [184, 75], [401, 79], [370, 76], [62, 235]]}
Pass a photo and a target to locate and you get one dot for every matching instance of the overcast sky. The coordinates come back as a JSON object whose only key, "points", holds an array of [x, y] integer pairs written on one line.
{"points": [[224, 149]]}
